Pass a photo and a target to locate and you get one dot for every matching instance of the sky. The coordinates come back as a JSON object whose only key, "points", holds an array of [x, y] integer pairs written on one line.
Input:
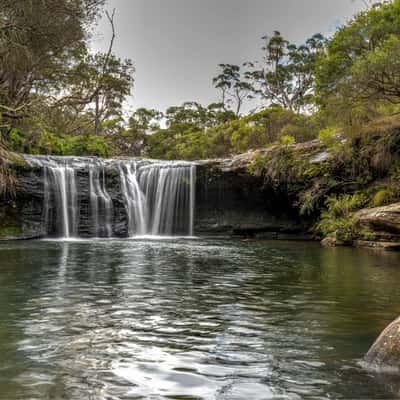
{"points": [[176, 45]]}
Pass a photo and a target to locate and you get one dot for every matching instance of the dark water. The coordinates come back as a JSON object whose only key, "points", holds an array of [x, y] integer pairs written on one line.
{"points": [[192, 320]]}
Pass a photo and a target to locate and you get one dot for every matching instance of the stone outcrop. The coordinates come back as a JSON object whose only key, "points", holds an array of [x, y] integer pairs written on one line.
{"points": [[229, 201], [22, 216], [382, 225], [385, 352]]}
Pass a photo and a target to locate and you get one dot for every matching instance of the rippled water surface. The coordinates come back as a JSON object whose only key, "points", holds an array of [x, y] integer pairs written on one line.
{"points": [[191, 319]]}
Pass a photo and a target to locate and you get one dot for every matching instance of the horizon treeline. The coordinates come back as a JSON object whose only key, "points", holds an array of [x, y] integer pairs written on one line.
{"points": [[59, 97]]}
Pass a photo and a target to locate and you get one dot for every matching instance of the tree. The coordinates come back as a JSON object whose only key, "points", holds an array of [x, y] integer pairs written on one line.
{"points": [[142, 123], [98, 84], [193, 116], [234, 87], [37, 42], [376, 75], [286, 75], [361, 65]]}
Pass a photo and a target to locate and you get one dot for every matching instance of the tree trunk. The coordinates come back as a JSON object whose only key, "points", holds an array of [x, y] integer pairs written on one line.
{"points": [[97, 125]]}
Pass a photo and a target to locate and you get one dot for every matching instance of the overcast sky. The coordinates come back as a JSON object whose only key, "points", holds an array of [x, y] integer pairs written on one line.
{"points": [[176, 45]]}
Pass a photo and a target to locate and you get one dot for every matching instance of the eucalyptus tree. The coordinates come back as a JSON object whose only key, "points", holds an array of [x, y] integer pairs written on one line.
{"points": [[361, 65], [285, 77], [233, 86]]}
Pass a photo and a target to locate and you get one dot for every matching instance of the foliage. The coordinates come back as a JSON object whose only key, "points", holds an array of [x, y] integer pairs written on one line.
{"points": [[286, 75], [338, 218], [328, 137], [97, 84], [52, 87], [385, 196], [234, 87], [360, 72], [195, 132], [38, 41], [46, 142], [288, 140]]}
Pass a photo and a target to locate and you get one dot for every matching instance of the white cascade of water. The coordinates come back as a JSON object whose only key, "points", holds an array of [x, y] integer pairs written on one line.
{"points": [[100, 201], [62, 179], [159, 196], [192, 198], [134, 199]]}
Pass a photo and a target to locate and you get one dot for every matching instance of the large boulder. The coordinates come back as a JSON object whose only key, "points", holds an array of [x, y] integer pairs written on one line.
{"points": [[385, 352], [381, 224]]}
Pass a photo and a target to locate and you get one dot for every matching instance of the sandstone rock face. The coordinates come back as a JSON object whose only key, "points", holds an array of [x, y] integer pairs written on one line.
{"points": [[385, 352], [383, 223], [229, 201], [23, 217]]}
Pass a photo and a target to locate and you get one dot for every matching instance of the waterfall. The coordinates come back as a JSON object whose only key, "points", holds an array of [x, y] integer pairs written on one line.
{"points": [[192, 198], [157, 197], [136, 207], [100, 201]]}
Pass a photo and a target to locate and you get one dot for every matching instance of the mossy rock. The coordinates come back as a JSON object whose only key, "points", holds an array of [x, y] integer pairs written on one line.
{"points": [[7, 232]]}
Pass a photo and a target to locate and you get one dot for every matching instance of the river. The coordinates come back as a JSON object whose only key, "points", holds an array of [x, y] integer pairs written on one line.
{"points": [[191, 319]]}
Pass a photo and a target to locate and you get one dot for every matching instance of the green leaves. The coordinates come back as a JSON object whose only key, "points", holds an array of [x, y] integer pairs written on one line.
{"points": [[234, 86], [286, 76], [362, 63]]}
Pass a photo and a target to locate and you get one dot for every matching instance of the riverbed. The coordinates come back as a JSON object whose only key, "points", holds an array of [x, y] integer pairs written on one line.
{"points": [[192, 319]]}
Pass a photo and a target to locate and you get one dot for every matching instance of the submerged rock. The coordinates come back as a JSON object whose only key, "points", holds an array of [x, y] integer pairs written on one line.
{"points": [[333, 241], [385, 352]]}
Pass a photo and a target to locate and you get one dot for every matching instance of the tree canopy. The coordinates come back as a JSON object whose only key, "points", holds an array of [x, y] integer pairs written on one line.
{"points": [[58, 96]]}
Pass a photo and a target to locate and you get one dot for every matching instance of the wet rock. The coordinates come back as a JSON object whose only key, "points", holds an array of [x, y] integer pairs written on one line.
{"points": [[232, 201], [229, 201], [388, 246], [332, 241], [385, 352]]}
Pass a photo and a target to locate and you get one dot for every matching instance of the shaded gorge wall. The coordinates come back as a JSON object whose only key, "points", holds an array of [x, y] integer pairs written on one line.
{"points": [[91, 197]]}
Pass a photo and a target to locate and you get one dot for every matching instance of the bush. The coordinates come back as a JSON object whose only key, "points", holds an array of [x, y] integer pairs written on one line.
{"points": [[288, 140], [385, 196], [338, 218], [46, 142], [328, 137]]}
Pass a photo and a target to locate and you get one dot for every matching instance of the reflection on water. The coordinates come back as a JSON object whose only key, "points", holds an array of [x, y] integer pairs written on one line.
{"points": [[191, 320]]}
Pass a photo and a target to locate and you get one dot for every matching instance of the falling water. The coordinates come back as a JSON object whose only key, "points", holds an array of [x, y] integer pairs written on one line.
{"points": [[192, 198], [135, 202], [158, 197], [100, 201]]}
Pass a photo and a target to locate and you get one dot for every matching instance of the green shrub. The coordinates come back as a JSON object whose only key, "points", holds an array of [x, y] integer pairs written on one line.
{"points": [[287, 140], [383, 197], [338, 218], [259, 164], [328, 136]]}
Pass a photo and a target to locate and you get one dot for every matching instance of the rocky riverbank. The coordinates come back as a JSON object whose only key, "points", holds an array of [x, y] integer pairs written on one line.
{"points": [[273, 193]]}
